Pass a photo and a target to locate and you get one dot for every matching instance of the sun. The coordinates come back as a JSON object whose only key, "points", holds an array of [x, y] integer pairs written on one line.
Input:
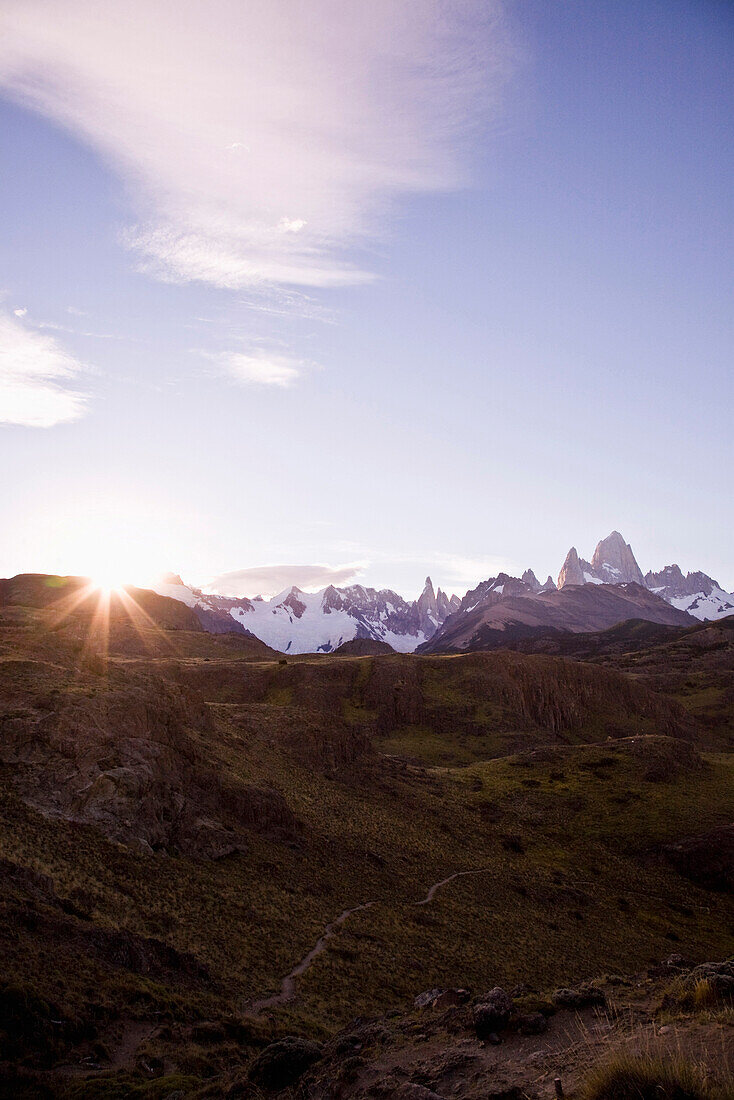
{"points": [[106, 582]]}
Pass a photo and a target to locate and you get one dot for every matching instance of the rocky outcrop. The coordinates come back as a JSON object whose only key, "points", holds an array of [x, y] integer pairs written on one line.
{"points": [[579, 996], [707, 859], [122, 756], [284, 1062]]}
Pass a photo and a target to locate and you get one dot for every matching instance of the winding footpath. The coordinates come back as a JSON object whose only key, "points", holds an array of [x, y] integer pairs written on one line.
{"points": [[445, 881], [287, 991]]}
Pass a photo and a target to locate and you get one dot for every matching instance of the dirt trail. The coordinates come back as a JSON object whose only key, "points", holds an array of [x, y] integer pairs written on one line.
{"points": [[288, 984], [445, 881], [287, 990], [123, 1038]]}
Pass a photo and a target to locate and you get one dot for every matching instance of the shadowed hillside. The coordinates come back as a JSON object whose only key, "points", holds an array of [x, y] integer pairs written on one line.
{"points": [[208, 847]]}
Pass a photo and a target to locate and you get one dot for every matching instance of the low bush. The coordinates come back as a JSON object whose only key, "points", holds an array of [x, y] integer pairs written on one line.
{"points": [[645, 1077]]}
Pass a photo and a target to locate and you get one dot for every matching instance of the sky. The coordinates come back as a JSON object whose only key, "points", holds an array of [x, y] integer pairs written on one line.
{"points": [[342, 292]]}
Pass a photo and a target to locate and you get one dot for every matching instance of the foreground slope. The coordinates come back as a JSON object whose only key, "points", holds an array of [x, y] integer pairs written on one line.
{"points": [[187, 820]]}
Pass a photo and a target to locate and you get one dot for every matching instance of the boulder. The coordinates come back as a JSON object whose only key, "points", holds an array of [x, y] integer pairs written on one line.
{"points": [[677, 962], [720, 977], [441, 998], [492, 1013], [284, 1062], [534, 1023], [580, 996]]}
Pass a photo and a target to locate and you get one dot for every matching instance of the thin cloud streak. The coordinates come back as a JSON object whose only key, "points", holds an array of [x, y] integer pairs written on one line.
{"points": [[34, 373], [260, 368], [261, 142], [269, 580]]}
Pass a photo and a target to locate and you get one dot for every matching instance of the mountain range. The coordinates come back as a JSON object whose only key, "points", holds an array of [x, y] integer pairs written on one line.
{"points": [[295, 621], [588, 596]]}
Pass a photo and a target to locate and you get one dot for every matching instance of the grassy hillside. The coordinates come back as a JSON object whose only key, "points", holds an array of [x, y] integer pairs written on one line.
{"points": [[180, 829]]}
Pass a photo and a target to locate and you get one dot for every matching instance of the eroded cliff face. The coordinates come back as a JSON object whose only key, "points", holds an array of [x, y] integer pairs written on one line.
{"points": [[128, 755]]}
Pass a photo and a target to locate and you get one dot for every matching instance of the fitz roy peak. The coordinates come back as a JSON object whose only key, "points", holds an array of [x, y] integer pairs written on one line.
{"points": [[613, 562]]}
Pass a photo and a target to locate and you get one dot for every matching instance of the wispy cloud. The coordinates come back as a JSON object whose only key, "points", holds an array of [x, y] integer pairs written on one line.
{"points": [[259, 368], [461, 573], [262, 141], [268, 580], [35, 373]]}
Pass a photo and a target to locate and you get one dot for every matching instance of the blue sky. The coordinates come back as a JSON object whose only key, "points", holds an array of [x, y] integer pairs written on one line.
{"points": [[438, 288]]}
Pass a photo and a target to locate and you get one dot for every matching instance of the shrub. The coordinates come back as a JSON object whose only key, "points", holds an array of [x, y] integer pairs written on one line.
{"points": [[703, 993], [644, 1077]]}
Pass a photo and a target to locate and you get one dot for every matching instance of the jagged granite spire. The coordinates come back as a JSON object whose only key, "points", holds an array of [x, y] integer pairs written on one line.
{"points": [[531, 580], [614, 563], [571, 571]]}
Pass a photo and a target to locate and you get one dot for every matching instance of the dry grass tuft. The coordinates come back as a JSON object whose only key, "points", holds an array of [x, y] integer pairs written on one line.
{"points": [[633, 1076]]}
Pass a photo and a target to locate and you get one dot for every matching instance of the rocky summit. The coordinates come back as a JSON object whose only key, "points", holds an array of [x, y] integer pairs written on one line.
{"points": [[614, 562]]}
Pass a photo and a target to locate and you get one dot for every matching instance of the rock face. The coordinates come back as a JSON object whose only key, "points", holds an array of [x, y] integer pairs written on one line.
{"points": [[125, 757], [614, 563]]}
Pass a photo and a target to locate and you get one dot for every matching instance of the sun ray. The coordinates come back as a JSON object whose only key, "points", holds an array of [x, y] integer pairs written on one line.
{"points": [[140, 620]]}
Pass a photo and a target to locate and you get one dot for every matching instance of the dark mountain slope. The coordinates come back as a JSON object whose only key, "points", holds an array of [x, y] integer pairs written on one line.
{"points": [[574, 608]]}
